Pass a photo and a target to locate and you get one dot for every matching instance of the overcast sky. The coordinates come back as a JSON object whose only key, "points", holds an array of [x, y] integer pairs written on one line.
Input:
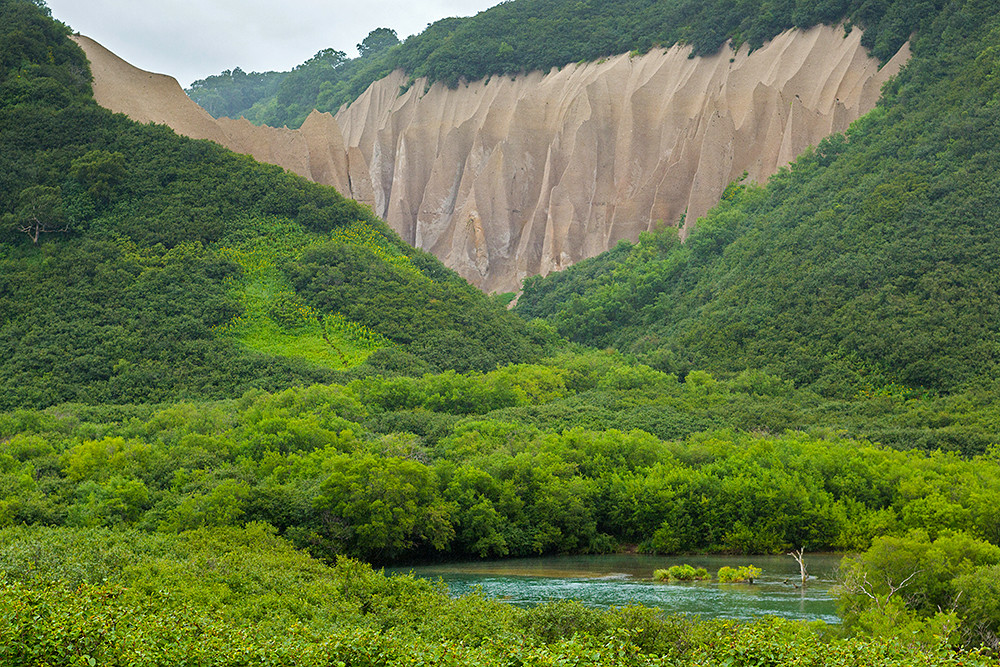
{"points": [[192, 39]]}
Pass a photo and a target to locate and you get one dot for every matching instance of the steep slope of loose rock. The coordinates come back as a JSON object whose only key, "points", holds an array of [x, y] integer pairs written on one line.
{"points": [[505, 178]]}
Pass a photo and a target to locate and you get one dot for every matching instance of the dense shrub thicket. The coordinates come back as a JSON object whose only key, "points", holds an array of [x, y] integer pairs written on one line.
{"points": [[128, 528], [243, 596], [520, 461]]}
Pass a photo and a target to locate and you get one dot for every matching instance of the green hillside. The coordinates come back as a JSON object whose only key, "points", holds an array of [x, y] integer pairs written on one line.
{"points": [[527, 35], [141, 266], [871, 263]]}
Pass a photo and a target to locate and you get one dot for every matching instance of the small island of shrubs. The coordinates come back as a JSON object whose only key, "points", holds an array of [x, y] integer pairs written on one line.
{"points": [[726, 575], [737, 575], [681, 573]]}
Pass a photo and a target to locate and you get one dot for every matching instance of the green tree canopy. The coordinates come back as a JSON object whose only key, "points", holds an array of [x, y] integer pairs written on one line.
{"points": [[377, 41], [40, 211]]}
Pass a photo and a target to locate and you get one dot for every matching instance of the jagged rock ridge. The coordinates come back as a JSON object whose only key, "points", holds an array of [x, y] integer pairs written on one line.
{"points": [[510, 177]]}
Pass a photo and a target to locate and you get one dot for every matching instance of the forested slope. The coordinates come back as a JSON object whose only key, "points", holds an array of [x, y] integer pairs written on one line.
{"points": [[872, 261], [138, 265], [526, 35]]}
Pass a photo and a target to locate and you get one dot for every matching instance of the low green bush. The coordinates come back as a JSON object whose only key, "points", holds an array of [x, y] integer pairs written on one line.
{"points": [[734, 575], [681, 573]]}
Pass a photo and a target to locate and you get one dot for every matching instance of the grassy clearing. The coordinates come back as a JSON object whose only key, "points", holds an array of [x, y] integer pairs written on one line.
{"points": [[275, 322], [335, 351]]}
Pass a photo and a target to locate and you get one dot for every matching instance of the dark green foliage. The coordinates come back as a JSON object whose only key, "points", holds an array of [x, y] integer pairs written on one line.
{"points": [[232, 92], [36, 58], [441, 319], [109, 324], [526, 35], [377, 41], [395, 361], [870, 265], [99, 172], [40, 211]]}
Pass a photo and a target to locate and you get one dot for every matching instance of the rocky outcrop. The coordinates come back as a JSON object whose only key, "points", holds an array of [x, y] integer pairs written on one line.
{"points": [[510, 177]]}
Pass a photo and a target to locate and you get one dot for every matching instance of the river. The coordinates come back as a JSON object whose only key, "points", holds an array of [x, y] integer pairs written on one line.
{"points": [[623, 579]]}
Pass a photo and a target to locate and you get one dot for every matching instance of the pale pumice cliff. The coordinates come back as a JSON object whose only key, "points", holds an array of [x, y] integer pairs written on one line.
{"points": [[315, 151], [510, 177]]}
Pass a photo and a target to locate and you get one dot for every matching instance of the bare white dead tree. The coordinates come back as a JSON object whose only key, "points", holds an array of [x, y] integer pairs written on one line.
{"points": [[799, 557], [866, 588]]}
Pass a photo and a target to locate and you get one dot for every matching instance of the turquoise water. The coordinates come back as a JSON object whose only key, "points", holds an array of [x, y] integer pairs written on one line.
{"points": [[618, 580]]}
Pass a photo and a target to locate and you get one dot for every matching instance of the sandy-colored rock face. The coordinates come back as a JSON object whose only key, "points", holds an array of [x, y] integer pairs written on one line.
{"points": [[315, 151], [508, 178]]}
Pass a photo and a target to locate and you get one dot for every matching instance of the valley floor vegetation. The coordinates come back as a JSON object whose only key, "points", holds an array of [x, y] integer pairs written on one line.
{"points": [[396, 469]]}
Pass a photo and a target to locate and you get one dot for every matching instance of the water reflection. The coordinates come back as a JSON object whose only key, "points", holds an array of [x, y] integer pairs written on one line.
{"points": [[619, 580]]}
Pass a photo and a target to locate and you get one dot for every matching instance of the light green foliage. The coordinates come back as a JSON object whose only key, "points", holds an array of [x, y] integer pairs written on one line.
{"points": [[640, 377], [924, 590], [681, 573], [384, 507], [243, 596], [510, 462], [736, 575], [362, 235], [275, 321]]}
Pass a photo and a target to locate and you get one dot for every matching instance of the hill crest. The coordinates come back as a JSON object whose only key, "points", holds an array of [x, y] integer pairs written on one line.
{"points": [[506, 178]]}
